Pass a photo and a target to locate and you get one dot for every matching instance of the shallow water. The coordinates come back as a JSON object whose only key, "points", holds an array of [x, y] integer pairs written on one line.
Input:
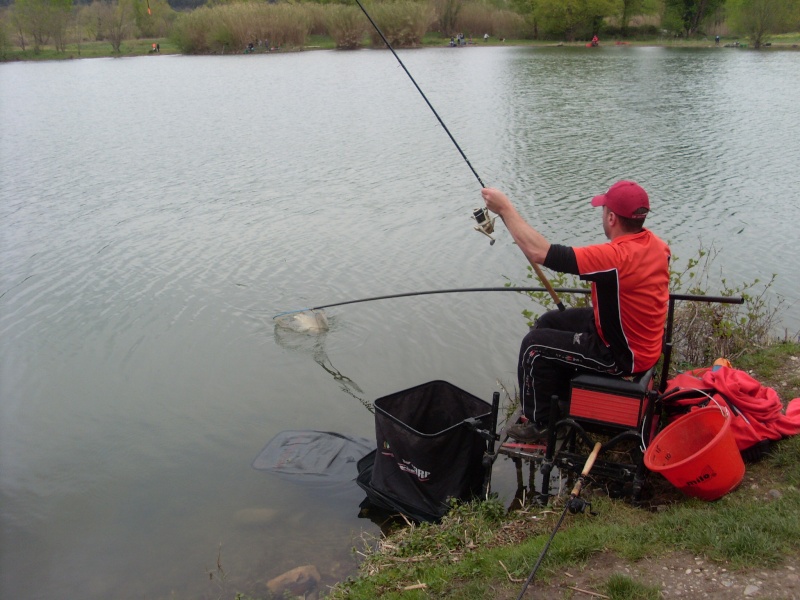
{"points": [[157, 212]]}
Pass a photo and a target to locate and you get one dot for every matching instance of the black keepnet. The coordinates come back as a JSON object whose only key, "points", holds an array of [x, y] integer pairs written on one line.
{"points": [[426, 454]]}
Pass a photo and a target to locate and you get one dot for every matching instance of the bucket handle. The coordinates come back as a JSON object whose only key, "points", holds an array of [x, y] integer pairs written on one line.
{"points": [[721, 408]]}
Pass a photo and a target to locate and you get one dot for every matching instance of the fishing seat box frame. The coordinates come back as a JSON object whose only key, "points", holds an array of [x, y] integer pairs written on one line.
{"points": [[604, 405]]}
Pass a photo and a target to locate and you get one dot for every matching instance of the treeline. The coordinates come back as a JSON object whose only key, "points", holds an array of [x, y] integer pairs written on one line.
{"points": [[176, 4], [233, 25]]}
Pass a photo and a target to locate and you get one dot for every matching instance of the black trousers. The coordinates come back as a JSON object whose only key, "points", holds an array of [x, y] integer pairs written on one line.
{"points": [[560, 344]]}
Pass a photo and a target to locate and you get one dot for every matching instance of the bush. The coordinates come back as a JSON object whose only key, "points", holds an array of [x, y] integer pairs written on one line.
{"points": [[346, 25], [704, 331], [508, 24], [317, 15], [231, 27], [191, 31], [475, 19], [404, 23]]}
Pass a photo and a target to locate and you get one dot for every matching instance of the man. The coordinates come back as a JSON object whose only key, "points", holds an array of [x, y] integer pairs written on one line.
{"points": [[622, 333]]}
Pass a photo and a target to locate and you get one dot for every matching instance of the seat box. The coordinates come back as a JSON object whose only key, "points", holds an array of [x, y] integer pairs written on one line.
{"points": [[611, 400]]}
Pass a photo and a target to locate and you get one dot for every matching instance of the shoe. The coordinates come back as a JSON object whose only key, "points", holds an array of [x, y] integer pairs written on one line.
{"points": [[527, 432]]}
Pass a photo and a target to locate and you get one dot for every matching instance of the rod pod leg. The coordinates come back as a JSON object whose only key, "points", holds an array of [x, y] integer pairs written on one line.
{"points": [[549, 453]]}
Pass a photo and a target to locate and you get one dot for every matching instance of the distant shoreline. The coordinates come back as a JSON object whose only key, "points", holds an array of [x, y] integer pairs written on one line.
{"points": [[144, 47]]}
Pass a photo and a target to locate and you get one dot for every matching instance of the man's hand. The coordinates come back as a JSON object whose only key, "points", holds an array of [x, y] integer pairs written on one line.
{"points": [[496, 201], [532, 243]]}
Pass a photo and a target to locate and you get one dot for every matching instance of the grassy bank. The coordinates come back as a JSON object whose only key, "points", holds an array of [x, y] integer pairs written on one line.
{"points": [[143, 47], [481, 551]]}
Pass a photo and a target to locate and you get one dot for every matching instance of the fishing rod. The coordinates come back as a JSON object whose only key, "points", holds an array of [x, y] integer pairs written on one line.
{"points": [[481, 215], [424, 97], [428, 292], [575, 504]]}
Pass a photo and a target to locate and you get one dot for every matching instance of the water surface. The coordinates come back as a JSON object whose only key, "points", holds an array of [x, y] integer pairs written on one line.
{"points": [[156, 212]]}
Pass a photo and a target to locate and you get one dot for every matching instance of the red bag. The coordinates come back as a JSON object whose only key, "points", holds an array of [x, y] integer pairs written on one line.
{"points": [[756, 410]]}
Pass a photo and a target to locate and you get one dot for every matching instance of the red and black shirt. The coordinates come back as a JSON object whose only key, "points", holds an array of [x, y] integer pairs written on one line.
{"points": [[630, 293]]}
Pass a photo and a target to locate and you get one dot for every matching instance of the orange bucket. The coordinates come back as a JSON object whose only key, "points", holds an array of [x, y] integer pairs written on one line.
{"points": [[697, 453]]}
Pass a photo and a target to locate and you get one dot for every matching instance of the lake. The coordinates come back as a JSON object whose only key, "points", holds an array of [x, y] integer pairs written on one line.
{"points": [[156, 212]]}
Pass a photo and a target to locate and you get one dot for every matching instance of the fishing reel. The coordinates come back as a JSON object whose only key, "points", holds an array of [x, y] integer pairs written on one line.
{"points": [[577, 505], [485, 223]]}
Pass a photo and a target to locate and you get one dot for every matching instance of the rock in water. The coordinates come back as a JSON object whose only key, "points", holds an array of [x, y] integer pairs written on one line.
{"points": [[254, 516]]}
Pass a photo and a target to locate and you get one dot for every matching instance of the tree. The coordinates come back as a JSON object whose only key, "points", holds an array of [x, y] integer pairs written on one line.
{"points": [[43, 19], [5, 38], [19, 29], [758, 18], [691, 13], [118, 22], [632, 8], [569, 18], [157, 21]]}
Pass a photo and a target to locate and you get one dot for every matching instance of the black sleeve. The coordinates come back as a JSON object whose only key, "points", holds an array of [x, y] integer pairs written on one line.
{"points": [[561, 258]]}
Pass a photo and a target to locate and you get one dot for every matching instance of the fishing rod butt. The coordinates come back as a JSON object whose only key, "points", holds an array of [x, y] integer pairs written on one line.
{"points": [[576, 491]]}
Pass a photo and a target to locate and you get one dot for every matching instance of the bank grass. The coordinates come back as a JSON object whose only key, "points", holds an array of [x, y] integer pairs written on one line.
{"points": [[621, 587], [483, 550], [469, 557], [95, 49]]}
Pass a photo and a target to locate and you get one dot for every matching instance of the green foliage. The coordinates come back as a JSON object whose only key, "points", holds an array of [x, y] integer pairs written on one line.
{"points": [[158, 22], [704, 331], [628, 9], [5, 37], [119, 22], [572, 19], [44, 20], [758, 18], [691, 14], [191, 33], [557, 280]]}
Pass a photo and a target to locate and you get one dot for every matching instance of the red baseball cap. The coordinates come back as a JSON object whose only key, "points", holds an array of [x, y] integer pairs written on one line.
{"points": [[624, 198]]}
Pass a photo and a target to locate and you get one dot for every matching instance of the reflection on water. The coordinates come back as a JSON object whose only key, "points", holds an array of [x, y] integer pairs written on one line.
{"points": [[156, 212]]}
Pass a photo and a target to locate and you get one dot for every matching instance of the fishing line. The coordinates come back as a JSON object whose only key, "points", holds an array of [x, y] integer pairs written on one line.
{"points": [[424, 97], [481, 215]]}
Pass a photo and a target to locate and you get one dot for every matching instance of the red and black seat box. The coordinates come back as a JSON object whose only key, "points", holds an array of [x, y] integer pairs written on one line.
{"points": [[604, 399]]}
